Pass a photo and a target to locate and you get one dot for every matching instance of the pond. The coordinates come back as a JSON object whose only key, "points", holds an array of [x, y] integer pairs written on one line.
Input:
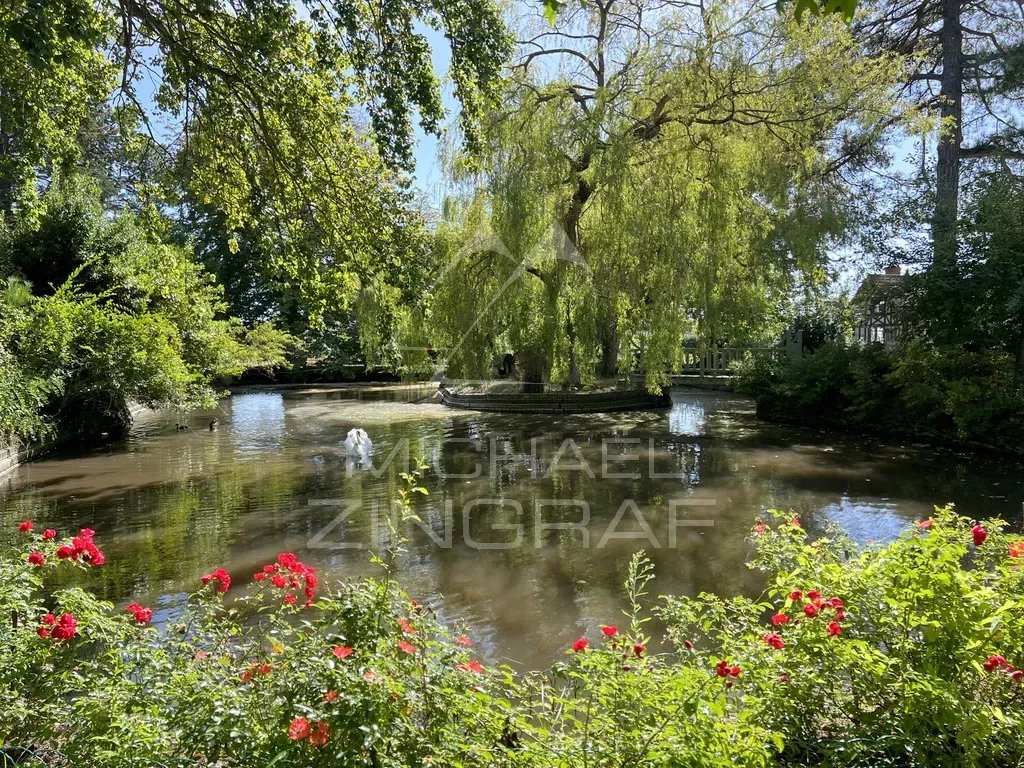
{"points": [[529, 521]]}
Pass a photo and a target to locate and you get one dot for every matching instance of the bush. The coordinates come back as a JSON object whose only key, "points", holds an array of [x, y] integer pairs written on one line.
{"points": [[116, 317], [904, 654], [917, 390]]}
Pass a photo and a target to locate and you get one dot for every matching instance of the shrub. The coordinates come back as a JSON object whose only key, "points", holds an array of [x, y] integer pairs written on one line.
{"points": [[904, 654], [917, 390]]}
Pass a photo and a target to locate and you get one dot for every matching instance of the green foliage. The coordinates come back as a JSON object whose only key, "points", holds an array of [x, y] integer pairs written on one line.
{"points": [[903, 654], [117, 317], [640, 199], [918, 389], [903, 682]]}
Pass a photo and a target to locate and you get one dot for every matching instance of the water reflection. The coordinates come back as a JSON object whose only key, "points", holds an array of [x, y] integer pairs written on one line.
{"points": [[529, 522]]}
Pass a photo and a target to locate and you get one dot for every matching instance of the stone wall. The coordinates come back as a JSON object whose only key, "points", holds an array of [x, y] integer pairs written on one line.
{"points": [[12, 454]]}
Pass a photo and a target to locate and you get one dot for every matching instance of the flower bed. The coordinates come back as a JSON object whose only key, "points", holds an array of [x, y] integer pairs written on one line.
{"points": [[901, 654]]}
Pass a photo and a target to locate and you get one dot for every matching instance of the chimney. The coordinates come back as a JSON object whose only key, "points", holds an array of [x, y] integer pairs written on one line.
{"points": [[894, 270]]}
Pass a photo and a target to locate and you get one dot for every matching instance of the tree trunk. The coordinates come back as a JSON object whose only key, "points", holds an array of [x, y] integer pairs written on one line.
{"points": [[570, 254], [947, 178], [610, 349], [570, 333]]}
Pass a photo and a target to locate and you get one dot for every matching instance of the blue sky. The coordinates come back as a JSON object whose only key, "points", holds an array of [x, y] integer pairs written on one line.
{"points": [[428, 176]]}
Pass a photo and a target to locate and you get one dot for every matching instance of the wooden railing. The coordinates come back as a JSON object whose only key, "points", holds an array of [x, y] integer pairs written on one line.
{"points": [[723, 360]]}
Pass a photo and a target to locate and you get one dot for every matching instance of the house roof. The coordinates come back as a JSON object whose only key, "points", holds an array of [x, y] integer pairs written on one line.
{"points": [[879, 286]]}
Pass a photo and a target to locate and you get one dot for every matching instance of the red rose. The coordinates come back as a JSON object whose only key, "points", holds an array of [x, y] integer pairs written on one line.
{"points": [[580, 645], [219, 578], [65, 552], [142, 615], [810, 611], [1017, 675], [813, 595], [1016, 549], [330, 697], [25, 526], [473, 666], [609, 631], [464, 641], [722, 668], [342, 651], [734, 671], [318, 736], [49, 534], [638, 649], [259, 576], [49, 619], [834, 629], [795, 595], [36, 558], [408, 628], [406, 647], [774, 640], [289, 599], [979, 534], [65, 628], [298, 729], [779, 619]]}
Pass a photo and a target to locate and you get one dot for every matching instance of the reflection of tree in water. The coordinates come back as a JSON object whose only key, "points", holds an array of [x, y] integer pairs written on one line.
{"points": [[173, 506]]}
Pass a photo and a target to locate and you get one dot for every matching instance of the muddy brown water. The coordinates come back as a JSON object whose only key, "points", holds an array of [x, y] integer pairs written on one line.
{"points": [[529, 521]]}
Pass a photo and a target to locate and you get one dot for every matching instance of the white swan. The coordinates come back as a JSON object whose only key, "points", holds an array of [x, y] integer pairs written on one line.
{"points": [[358, 444]]}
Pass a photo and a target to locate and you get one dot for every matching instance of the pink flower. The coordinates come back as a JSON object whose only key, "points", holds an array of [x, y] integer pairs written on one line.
{"points": [[924, 525], [464, 641], [774, 640], [36, 558], [580, 645], [609, 631], [408, 628]]}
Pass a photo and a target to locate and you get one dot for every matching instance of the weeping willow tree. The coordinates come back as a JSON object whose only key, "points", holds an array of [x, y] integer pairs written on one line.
{"points": [[657, 171]]}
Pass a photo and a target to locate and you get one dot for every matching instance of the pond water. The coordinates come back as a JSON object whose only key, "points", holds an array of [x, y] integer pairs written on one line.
{"points": [[530, 520]]}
